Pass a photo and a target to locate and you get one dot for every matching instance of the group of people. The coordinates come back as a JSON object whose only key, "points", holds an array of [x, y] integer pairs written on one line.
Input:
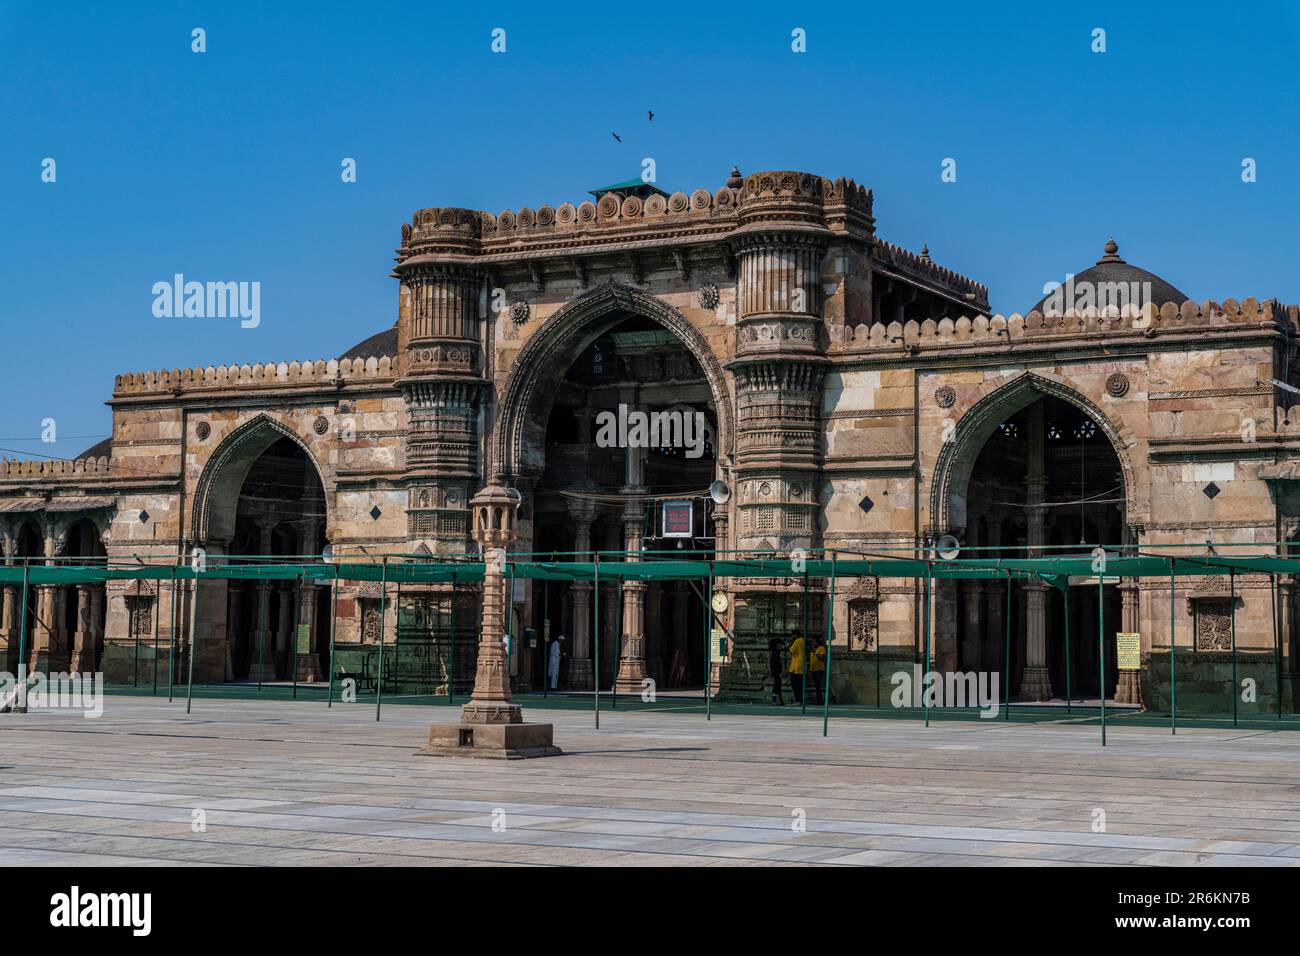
{"points": [[809, 654]]}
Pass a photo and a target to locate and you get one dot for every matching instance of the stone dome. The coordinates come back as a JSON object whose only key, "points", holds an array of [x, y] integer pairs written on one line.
{"points": [[1113, 273], [376, 346]]}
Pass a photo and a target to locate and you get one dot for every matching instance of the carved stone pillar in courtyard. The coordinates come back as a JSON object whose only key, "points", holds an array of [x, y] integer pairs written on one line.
{"points": [[631, 663], [1035, 682], [304, 642], [491, 725], [1129, 689], [83, 638], [580, 667]]}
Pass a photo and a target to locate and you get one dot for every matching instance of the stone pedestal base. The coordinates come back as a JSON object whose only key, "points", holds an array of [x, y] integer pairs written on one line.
{"points": [[1128, 690], [498, 741], [1035, 684], [581, 674], [309, 669]]}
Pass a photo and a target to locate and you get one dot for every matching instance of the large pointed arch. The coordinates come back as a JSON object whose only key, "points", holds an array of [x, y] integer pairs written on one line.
{"points": [[544, 360], [217, 491], [957, 458]]}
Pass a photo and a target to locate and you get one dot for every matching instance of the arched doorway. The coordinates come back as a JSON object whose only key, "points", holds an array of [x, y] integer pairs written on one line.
{"points": [[567, 435], [279, 514], [1047, 481], [260, 497], [83, 605]]}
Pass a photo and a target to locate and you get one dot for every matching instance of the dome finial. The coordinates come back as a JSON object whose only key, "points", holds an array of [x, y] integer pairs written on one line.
{"points": [[925, 252], [1112, 252], [735, 180]]}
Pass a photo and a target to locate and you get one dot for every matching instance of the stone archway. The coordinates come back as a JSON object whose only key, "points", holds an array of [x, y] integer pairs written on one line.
{"points": [[217, 491], [543, 361], [956, 460]]}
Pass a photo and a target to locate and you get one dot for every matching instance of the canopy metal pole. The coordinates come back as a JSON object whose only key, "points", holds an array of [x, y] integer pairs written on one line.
{"points": [[135, 630], [293, 635], [1232, 617], [157, 611], [22, 634], [803, 635], [1173, 655], [383, 616], [547, 639], [925, 675], [878, 602], [1101, 649], [830, 637], [451, 676], [618, 658], [1068, 694], [708, 647], [263, 591], [334, 627], [171, 640], [194, 620], [1006, 656], [1277, 644], [595, 644]]}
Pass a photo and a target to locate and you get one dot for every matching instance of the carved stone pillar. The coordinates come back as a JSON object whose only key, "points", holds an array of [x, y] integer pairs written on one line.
{"points": [[490, 724], [283, 628], [1035, 680], [38, 658], [1129, 688], [304, 641], [580, 666], [8, 624], [631, 663], [261, 651], [83, 638]]}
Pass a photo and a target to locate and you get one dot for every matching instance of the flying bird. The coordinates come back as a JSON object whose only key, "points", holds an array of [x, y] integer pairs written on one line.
{"points": [[617, 137], [652, 115]]}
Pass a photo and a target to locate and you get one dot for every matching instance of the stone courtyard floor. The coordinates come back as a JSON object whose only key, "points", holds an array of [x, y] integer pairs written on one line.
{"points": [[293, 783]]}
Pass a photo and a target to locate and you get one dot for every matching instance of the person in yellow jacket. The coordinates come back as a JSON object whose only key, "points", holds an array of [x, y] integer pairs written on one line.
{"points": [[817, 668], [796, 667]]}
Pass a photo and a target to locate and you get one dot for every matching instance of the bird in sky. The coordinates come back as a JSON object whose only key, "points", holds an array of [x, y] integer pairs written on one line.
{"points": [[617, 137], [652, 115]]}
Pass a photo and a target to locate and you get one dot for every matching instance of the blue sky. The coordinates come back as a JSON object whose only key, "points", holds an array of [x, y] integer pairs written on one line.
{"points": [[225, 165]]}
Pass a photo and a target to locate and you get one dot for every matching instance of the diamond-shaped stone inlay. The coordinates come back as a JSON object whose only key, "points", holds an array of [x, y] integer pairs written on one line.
{"points": [[375, 512], [1211, 491], [144, 517], [866, 504]]}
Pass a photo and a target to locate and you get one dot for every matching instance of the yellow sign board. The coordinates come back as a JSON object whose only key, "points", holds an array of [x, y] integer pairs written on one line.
{"points": [[1128, 646]]}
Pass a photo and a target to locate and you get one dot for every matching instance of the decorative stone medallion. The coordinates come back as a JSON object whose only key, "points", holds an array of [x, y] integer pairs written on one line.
{"points": [[321, 425], [708, 296], [1117, 384], [202, 430], [945, 396], [519, 312]]}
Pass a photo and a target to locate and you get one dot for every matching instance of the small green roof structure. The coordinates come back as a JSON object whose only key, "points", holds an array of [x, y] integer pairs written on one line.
{"points": [[633, 187]]}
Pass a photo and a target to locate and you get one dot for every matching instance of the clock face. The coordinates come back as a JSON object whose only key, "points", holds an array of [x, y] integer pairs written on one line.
{"points": [[719, 602]]}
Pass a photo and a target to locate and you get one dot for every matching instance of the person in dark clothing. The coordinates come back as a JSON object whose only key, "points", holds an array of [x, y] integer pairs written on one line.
{"points": [[774, 668]]}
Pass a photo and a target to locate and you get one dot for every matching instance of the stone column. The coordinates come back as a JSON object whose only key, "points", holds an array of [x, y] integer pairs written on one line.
{"points": [[83, 639], [631, 663], [8, 624], [972, 619], [283, 630], [308, 661], [490, 703], [261, 654], [1035, 681], [38, 658], [1128, 690], [580, 666], [995, 603]]}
